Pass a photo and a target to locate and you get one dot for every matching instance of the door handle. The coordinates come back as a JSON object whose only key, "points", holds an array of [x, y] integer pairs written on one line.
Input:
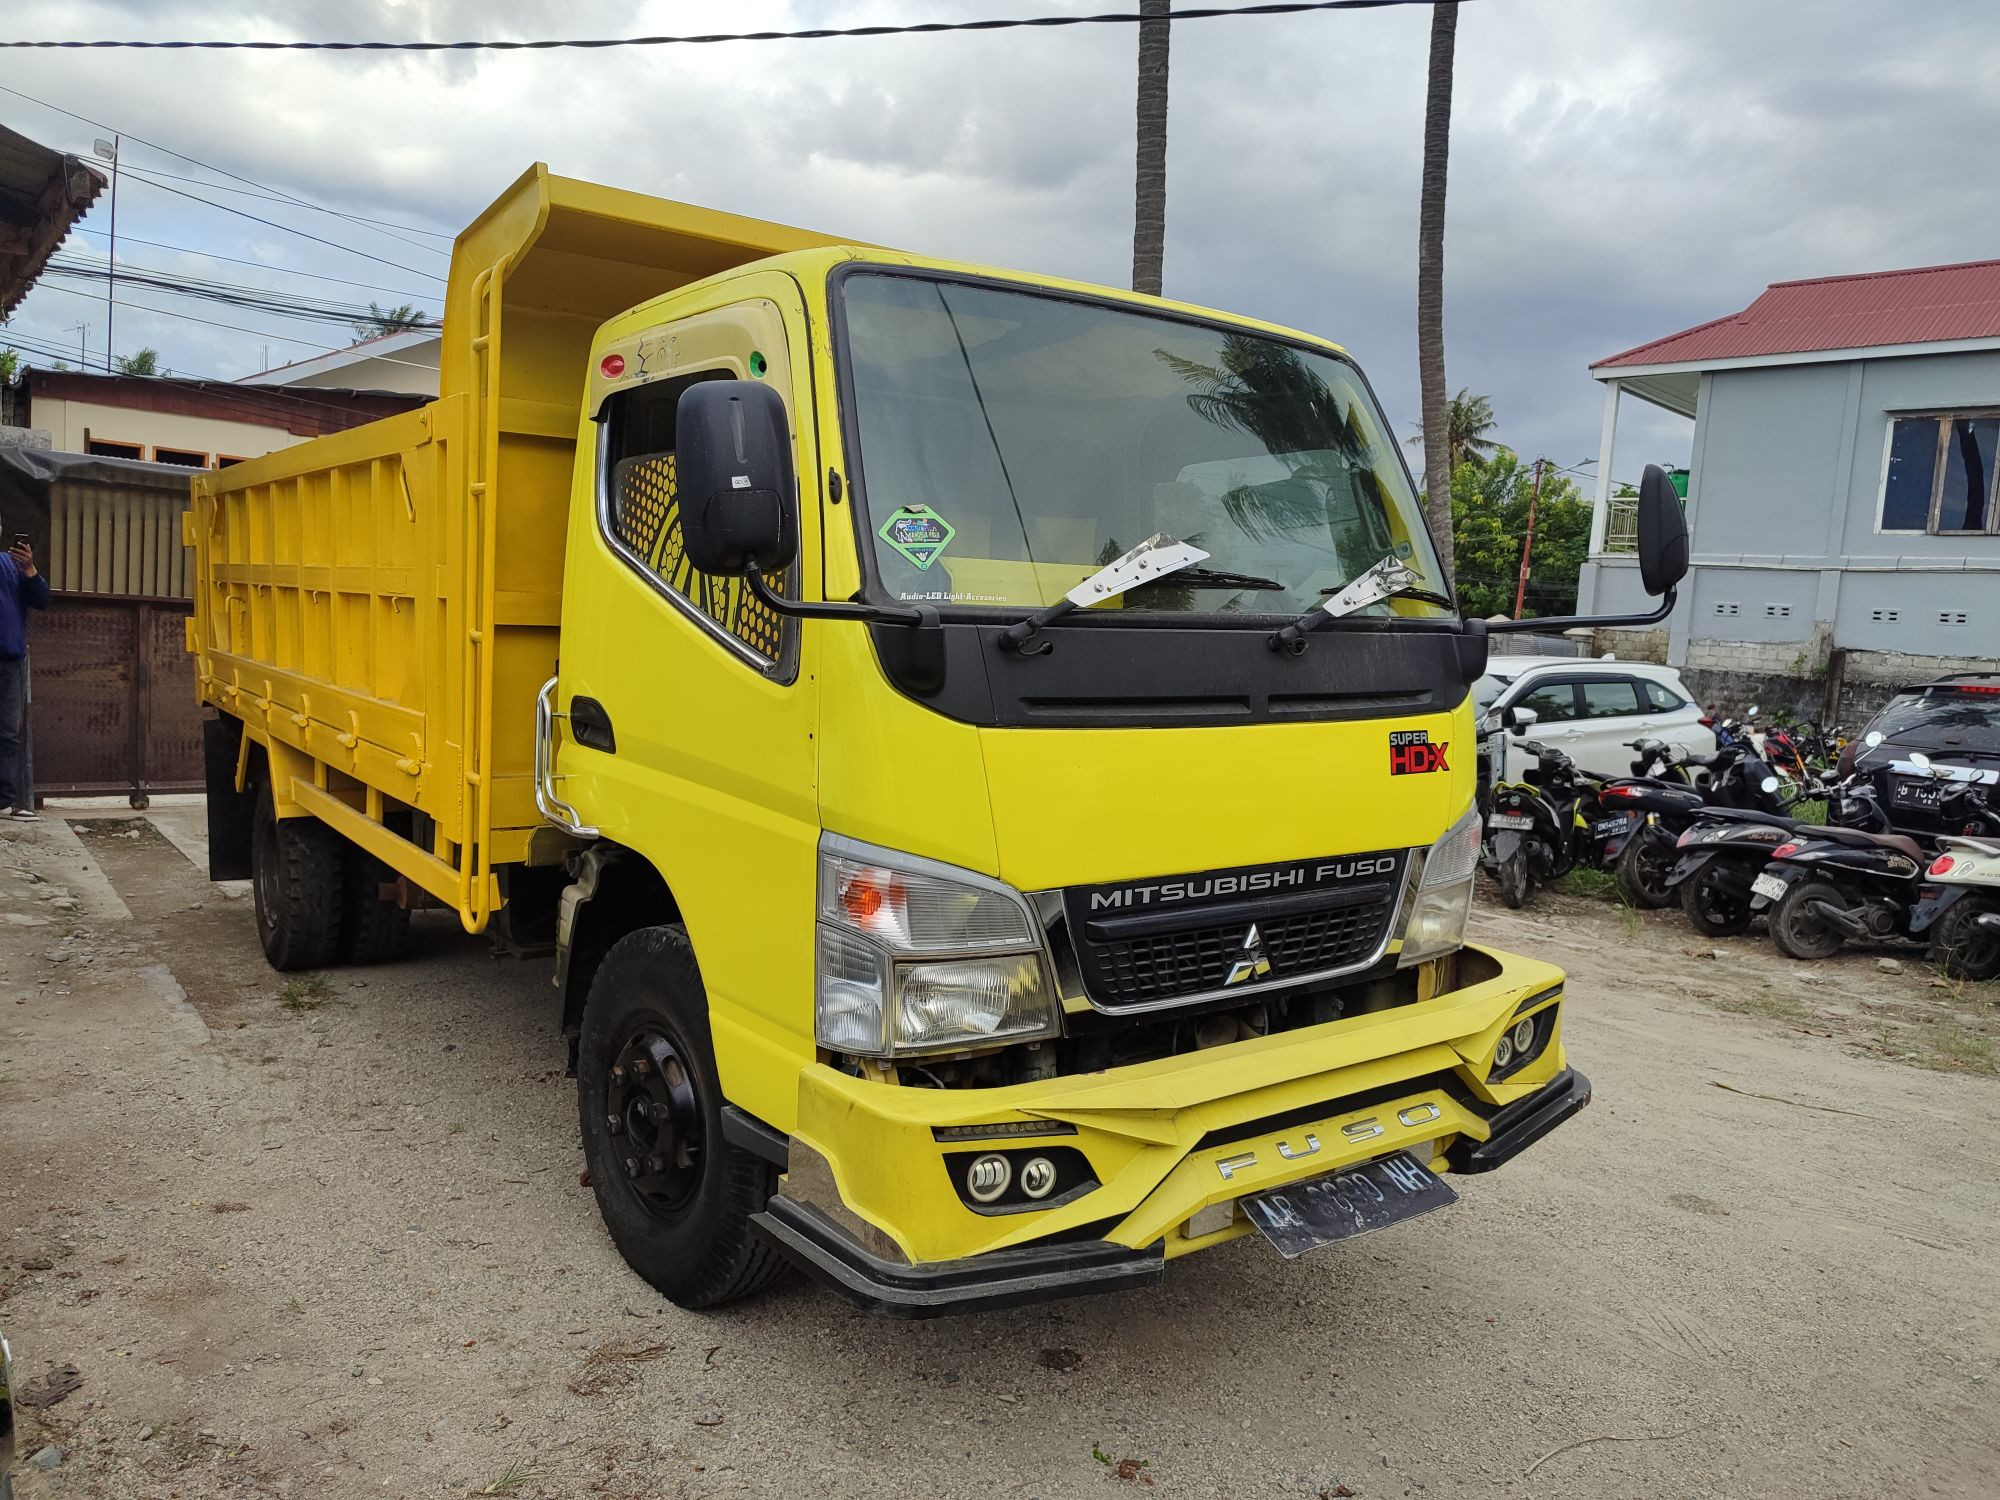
{"points": [[590, 725]]}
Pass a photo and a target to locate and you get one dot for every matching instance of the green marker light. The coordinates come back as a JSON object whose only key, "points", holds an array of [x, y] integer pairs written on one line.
{"points": [[757, 365]]}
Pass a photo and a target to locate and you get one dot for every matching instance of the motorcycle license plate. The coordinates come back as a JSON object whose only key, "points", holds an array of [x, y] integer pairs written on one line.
{"points": [[1510, 820], [1768, 886], [1351, 1201], [1609, 825]]}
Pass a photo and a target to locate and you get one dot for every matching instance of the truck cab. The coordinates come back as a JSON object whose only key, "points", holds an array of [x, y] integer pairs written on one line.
{"points": [[1002, 783]]}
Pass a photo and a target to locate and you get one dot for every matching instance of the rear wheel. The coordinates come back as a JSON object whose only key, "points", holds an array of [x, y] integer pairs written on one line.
{"points": [[1715, 905], [297, 877], [1513, 877], [372, 930], [1965, 948], [675, 1195], [1798, 931], [1644, 867]]}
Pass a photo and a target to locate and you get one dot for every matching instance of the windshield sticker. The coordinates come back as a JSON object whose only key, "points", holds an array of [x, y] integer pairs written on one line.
{"points": [[918, 532]]}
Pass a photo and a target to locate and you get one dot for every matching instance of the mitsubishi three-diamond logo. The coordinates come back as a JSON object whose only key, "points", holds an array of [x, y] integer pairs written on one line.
{"points": [[1252, 962]]}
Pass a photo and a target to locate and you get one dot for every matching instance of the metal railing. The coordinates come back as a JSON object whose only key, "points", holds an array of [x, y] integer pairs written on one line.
{"points": [[1621, 524]]}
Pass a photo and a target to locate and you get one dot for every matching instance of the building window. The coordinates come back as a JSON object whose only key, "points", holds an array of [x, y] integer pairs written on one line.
{"points": [[224, 460], [105, 448], [186, 458], [1941, 476]]}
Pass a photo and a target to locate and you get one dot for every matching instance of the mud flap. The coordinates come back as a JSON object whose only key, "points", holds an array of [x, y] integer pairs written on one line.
{"points": [[230, 812]]}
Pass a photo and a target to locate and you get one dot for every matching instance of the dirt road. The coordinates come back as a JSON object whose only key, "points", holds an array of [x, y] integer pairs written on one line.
{"points": [[334, 1244]]}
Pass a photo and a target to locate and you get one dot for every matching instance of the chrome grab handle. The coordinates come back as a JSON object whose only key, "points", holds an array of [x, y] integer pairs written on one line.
{"points": [[547, 802]]}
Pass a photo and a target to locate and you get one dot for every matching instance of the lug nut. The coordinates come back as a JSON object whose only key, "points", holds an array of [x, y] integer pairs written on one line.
{"points": [[618, 1075], [641, 1066], [631, 1166], [655, 1164], [613, 1125], [642, 1108]]}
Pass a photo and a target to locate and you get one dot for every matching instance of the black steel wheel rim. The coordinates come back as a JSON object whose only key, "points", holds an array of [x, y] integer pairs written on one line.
{"points": [[653, 1119]]}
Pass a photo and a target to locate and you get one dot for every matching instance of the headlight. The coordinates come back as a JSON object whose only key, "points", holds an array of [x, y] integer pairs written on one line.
{"points": [[917, 956], [1435, 923]]}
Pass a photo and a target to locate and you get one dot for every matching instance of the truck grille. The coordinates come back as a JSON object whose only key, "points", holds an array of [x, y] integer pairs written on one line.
{"points": [[1142, 957]]}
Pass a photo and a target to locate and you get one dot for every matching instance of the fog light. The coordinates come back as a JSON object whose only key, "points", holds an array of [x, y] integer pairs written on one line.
{"points": [[1524, 1034], [1504, 1053], [1038, 1177], [987, 1178]]}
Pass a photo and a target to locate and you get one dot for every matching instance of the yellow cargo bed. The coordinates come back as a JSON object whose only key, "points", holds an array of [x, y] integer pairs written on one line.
{"points": [[380, 606]]}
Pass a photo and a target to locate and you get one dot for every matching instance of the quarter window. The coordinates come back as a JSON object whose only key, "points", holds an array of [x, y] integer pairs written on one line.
{"points": [[1660, 699], [1942, 476], [643, 514]]}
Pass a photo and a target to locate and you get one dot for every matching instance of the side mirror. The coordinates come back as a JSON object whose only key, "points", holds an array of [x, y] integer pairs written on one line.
{"points": [[1519, 720], [734, 478], [1663, 537]]}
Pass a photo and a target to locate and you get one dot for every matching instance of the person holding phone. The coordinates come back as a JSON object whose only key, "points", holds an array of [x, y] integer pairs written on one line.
{"points": [[22, 588]]}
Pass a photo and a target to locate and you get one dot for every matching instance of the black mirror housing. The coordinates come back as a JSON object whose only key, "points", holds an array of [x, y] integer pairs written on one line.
{"points": [[734, 478], [1663, 538]]}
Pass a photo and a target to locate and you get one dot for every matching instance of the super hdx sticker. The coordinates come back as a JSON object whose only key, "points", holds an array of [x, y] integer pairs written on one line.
{"points": [[918, 532], [1411, 752]]}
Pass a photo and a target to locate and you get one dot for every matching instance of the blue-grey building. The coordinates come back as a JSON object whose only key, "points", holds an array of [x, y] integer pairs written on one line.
{"points": [[1843, 507]]}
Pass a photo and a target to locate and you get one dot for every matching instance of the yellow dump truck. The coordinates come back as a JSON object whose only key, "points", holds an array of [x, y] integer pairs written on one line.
{"points": [[989, 757]]}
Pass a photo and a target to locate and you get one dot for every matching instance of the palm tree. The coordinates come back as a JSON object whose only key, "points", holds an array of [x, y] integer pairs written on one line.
{"points": [[1149, 205], [145, 362], [1438, 452], [381, 320], [1468, 419]]}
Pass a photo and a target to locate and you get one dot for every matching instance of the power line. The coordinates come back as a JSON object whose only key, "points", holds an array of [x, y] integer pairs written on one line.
{"points": [[283, 338], [237, 260], [272, 197], [824, 33], [198, 162], [161, 187], [259, 299]]}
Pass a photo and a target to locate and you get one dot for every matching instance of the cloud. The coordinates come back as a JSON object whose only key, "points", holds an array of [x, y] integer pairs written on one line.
{"points": [[1618, 171]]}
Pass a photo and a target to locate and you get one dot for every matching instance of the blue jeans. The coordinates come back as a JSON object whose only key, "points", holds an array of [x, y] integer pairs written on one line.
{"points": [[13, 702]]}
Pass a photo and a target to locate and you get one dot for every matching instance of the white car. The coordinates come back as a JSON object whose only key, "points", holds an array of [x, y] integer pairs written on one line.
{"points": [[1590, 710]]}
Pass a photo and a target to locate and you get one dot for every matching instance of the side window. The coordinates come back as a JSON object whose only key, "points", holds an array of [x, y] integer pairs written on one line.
{"points": [[1610, 698], [643, 514], [1660, 699], [1553, 702]]}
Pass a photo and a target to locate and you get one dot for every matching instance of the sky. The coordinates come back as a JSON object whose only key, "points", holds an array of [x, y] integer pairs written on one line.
{"points": [[1619, 170]]}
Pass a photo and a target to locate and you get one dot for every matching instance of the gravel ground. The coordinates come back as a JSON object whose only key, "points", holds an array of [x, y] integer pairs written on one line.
{"points": [[328, 1239]]}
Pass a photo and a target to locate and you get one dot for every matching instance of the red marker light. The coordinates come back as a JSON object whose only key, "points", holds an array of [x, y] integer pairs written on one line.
{"points": [[1784, 851], [611, 366], [1942, 864]]}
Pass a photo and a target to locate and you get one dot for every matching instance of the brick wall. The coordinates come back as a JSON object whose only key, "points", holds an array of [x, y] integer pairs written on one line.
{"points": [[1732, 675]]}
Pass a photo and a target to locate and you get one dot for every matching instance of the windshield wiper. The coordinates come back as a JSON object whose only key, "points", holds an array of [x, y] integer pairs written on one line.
{"points": [[1156, 557], [1386, 580], [1217, 578]]}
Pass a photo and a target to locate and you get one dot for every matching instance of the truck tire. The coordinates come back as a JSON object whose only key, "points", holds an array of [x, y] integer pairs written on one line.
{"points": [[675, 1195], [296, 875], [372, 931], [1797, 931]]}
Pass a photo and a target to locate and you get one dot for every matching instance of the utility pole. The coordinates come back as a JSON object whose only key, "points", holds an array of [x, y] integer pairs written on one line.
{"points": [[1528, 542], [108, 150]]}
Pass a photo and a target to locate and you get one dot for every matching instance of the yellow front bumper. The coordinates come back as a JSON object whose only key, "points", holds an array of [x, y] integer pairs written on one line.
{"points": [[866, 1154]]}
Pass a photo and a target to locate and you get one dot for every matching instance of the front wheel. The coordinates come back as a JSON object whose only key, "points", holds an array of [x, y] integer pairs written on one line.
{"points": [[1798, 930], [1714, 904], [1966, 949], [675, 1195], [1643, 869]]}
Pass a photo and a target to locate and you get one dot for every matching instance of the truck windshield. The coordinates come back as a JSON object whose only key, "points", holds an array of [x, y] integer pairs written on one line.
{"points": [[1012, 443]]}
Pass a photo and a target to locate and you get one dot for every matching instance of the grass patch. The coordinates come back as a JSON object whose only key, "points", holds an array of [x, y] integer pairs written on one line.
{"points": [[507, 1481], [1766, 1004], [304, 992], [1951, 1048], [1595, 885]]}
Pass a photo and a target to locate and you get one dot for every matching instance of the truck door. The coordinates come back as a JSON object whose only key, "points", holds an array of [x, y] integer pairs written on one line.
{"points": [[692, 707]]}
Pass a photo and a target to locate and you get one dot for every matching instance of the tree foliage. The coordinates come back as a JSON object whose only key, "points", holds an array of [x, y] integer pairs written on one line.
{"points": [[145, 362], [1469, 423], [10, 366], [1489, 514], [381, 320]]}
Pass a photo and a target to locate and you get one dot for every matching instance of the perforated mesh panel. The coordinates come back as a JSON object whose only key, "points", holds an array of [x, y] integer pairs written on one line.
{"points": [[645, 516]]}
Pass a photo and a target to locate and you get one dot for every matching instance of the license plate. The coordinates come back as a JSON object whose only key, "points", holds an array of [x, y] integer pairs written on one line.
{"points": [[1768, 886], [1351, 1201], [1510, 820], [1909, 792], [1609, 825]]}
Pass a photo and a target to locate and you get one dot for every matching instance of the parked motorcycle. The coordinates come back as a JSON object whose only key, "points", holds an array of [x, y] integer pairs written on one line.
{"points": [[1733, 778], [1959, 911], [1548, 823], [1826, 886], [1723, 851]]}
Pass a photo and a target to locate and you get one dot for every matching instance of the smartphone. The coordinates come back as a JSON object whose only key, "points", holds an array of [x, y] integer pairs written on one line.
{"points": [[20, 539]]}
